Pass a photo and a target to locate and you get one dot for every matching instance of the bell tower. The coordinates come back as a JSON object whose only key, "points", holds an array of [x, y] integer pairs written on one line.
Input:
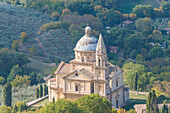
{"points": [[101, 53]]}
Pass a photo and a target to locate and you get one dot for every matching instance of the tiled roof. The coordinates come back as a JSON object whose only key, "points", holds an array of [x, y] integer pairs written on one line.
{"points": [[63, 68], [86, 72], [81, 71]]}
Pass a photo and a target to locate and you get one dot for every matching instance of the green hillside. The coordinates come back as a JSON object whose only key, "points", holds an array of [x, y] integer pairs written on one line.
{"points": [[51, 46], [126, 6], [14, 20], [54, 45]]}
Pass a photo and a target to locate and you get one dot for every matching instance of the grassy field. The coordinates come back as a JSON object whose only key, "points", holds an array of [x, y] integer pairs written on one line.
{"points": [[135, 99], [41, 67], [126, 6]]}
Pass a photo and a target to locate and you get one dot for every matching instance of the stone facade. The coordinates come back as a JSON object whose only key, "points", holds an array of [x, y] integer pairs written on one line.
{"points": [[88, 73]]}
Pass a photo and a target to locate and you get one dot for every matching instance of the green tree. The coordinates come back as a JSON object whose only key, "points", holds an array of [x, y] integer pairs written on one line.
{"points": [[144, 25], [156, 52], [153, 101], [33, 78], [148, 103], [95, 103], [8, 59], [139, 58], [5, 109], [21, 81], [157, 34], [164, 108], [39, 78], [113, 17], [2, 80], [136, 82], [156, 109], [7, 94], [23, 37], [21, 106], [45, 90], [62, 106], [37, 92], [166, 8], [134, 42], [16, 45], [16, 70], [55, 15], [142, 11], [133, 54], [151, 104], [75, 31], [41, 91], [130, 69]]}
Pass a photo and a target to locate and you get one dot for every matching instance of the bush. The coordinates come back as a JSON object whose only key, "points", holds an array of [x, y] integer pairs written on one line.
{"points": [[2, 80], [20, 106], [55, 15], [161, 98], [49, 26]]}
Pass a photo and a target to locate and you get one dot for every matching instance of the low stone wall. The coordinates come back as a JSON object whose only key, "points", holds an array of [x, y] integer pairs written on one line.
{"points": [[36, 101]]}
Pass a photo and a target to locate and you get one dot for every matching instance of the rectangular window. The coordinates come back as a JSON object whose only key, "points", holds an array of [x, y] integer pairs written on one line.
{"points": [[76, 88], [111, 98], [117, 104], [116, 83]]}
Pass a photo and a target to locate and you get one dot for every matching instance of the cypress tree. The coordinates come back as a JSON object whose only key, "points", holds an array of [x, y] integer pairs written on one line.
{"points": [[164, 108], [53, 100], [37, 93], [148, 103], [156, 109], [15, 108], [136, 82], [45, 90], [7, 94], [153, 101], [41, 91]]}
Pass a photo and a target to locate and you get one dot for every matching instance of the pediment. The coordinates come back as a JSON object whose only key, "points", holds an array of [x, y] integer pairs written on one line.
{"points": [[78, 75]]}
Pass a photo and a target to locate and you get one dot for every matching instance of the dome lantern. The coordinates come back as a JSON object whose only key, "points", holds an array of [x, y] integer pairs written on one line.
{"points": [[88, 31]]}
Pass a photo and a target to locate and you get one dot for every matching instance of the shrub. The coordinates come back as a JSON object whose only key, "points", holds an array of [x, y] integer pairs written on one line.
{"points": [[2, 80], [20, 106], [49, 26], [55, 15]]}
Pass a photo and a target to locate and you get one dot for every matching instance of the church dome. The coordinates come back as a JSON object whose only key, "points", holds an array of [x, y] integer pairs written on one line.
{"points": [[87, 42]]}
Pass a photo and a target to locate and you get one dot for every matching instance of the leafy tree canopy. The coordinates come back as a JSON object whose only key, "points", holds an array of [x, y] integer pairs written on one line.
{"points": [[8, 59], [95, 103]]}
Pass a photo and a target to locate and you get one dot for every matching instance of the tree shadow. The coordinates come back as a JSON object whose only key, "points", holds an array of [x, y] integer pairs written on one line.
{"points": [[132, 102]]}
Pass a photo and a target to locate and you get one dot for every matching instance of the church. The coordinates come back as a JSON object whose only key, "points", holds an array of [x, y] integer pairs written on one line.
{"points": [[88, 73]]}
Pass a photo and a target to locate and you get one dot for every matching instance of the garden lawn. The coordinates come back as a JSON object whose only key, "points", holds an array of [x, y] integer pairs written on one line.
{"points": [[135, 99]]}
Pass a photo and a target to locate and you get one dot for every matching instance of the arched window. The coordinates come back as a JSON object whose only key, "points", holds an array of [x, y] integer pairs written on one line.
{"points": [[76, 88], [117, 83], [99, 62]]}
